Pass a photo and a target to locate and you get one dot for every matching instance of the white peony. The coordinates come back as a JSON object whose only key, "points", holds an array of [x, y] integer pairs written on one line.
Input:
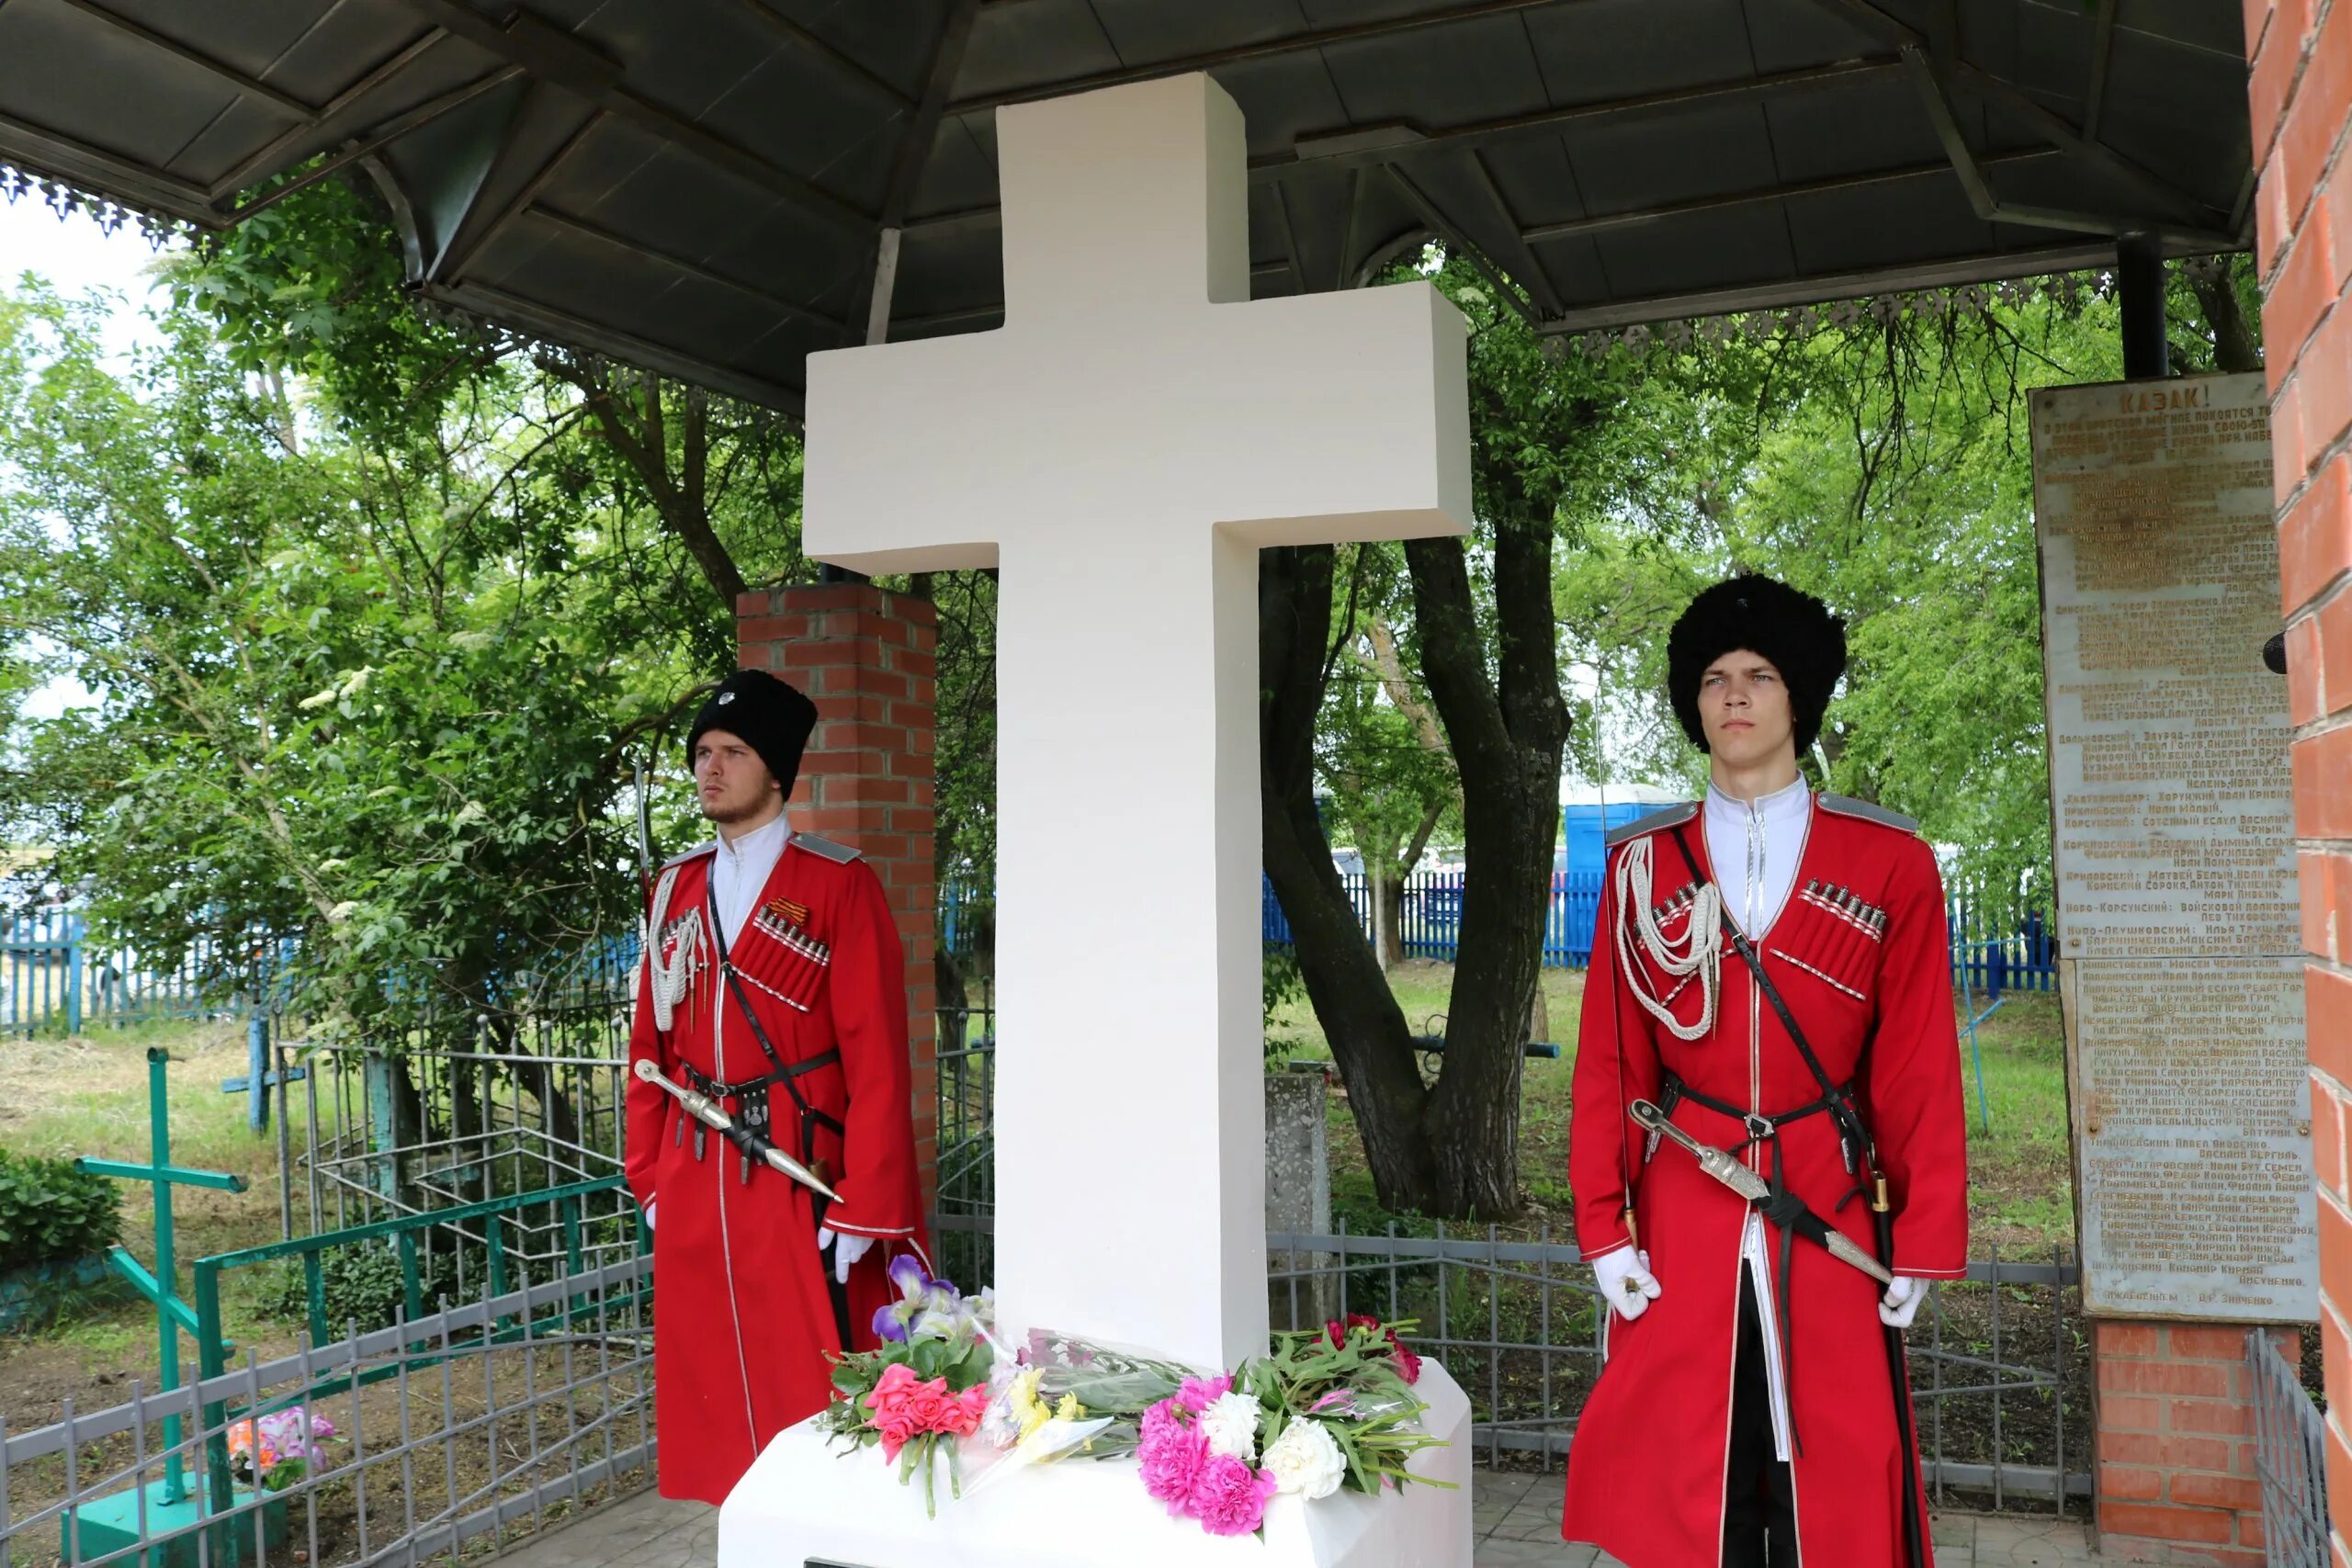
{"points": [[1231, 1423], [1306, 1460]]}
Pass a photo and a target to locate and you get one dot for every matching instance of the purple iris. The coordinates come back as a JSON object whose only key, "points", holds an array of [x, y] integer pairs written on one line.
{"points": [[924, 1302]]}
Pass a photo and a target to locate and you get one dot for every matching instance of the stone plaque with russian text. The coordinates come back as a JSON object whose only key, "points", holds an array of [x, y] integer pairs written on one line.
{"points": [[2173, 832]]}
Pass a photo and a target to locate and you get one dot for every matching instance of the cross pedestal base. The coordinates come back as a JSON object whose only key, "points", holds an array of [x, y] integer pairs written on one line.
{"points": [[803, 1504], [120, 1521]]}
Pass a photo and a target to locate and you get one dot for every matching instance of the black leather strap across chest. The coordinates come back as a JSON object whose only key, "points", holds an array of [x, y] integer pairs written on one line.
{"points": [[752, 1093]]}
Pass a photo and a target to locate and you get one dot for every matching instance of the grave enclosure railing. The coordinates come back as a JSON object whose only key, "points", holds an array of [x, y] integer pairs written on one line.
{"points": [[2001, 1375], [2000, 1361], [2290, 1458], [488, 1417], [519, 1385]]}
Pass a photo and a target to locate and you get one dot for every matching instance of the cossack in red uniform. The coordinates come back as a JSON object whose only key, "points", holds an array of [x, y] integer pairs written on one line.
{"points": [[745, 1302], [1859, 951]]}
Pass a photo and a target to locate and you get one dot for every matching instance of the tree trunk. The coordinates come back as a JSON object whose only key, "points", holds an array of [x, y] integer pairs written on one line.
{"points": [[1390, 902], [1451, 1151], [1507, 736], [2234, 346], [681, 501], [1360, 1016], [952, 1001]]}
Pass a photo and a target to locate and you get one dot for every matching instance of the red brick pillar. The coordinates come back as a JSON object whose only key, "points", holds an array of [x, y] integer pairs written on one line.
{"points": [[2301, 93], [866, 657], [2176, 1477]]}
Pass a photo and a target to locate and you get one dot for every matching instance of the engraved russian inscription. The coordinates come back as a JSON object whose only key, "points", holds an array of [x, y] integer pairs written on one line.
{"points": [[2173, 843]]}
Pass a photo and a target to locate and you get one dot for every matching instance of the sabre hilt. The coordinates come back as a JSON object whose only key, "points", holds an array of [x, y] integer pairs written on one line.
{"points": [[702, 1109], [1791, 1212]]}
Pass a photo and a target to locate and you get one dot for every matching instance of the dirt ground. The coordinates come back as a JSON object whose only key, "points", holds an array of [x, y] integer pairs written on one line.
{"points": [[62, 1098], [436, 1453]]}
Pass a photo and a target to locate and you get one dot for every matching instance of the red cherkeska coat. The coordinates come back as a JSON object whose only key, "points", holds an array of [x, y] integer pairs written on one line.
{"points": [[1646, 1472], [744, 1319]]}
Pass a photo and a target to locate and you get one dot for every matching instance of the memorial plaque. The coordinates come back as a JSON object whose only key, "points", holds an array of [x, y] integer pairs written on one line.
{"points": [[2173, 834]]}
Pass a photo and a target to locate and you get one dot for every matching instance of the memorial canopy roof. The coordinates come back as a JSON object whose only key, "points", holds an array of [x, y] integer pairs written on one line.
{"points": [[704, 186]]}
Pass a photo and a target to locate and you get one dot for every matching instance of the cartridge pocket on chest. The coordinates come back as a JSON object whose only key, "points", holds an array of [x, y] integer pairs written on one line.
{"points": [[779, 954], [1832, 934]]}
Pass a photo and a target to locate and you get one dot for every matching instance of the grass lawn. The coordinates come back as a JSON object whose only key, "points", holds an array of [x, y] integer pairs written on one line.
{"points": [[61, 1098], [2021, 1193]]}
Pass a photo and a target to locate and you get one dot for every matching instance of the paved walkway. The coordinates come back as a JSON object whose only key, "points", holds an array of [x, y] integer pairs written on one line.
{"points": [[1517, 1518]]}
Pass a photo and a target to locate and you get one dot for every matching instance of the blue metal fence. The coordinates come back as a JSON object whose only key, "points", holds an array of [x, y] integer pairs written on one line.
{"points": [[1992, 952], [1429, 916], [1995, 949], [53, 977]]}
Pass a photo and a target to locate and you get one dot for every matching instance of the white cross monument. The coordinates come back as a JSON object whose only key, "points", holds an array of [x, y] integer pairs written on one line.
{"points": [[1122, 447]]}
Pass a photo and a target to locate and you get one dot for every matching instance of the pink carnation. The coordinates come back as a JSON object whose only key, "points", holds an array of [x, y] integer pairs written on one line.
{"points": [[1170, 1452], [1229, 1497], [1195, 1394]]}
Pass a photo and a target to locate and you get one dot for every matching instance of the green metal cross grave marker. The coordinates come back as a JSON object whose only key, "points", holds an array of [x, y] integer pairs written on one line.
{"points": [[110, 1524]]}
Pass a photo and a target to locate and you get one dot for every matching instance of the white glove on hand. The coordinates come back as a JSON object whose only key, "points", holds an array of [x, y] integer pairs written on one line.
{"points": [[1900, 1303], [847, 1250], [649, 1216], [1626, 1281]]}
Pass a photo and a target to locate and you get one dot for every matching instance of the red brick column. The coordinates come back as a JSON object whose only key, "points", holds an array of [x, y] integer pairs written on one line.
{"points": [[866, 657], [2175, 1476], [2300, 94]]}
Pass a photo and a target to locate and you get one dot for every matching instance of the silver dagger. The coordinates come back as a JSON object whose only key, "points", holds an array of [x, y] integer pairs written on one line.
{"points": [[1726, 1168], [702, 1109]]}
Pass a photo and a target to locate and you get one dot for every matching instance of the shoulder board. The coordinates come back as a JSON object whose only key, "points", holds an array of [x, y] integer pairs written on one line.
{"points": [[1673, 815], [1864, 811], [694, 853], [824, 849]]}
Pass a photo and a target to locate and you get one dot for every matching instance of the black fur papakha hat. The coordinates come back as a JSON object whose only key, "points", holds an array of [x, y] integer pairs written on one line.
{"points": [[1805, 643], [766, 714]]}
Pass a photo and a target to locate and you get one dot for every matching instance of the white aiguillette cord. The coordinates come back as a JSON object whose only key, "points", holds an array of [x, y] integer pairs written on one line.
{"points": [[1703, 941], [669, 986]]}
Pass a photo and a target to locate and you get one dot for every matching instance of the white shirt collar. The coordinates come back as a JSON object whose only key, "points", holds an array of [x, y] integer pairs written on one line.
{"points": [[1780, 809], [762, 842], [741, 869], [1753, 848]]}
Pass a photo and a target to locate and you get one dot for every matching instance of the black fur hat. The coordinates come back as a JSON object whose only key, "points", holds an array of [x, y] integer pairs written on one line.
{"points": [[1795, 630], [766, 714]]}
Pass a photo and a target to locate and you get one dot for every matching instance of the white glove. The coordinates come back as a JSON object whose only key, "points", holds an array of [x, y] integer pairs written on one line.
{"points": [[1626, 1281], [1900, 1303], [649, 1216], [847, 1250]]}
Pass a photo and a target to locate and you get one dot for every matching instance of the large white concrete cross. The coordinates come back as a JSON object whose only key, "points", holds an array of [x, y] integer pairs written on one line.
{"points": [[1122, 446]]}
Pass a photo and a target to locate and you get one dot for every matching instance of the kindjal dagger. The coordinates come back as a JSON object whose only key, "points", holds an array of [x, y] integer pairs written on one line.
{"points": [[754, 1146], [1726, 1168]]}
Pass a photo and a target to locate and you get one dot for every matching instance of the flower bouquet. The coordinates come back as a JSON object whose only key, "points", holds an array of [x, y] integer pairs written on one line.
{"points": [[1321, 1414], [926, 1387], [1324, 1413], [274, 1452]]}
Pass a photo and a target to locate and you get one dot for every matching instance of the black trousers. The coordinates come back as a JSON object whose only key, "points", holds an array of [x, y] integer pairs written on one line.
{"points": [[1760, 1501]]}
